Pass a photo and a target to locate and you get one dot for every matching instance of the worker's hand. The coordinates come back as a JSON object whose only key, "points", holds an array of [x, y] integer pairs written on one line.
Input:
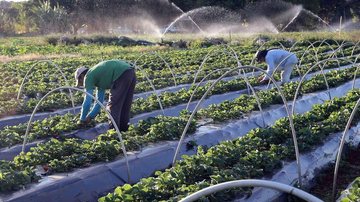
{"points": [[264, 81]]}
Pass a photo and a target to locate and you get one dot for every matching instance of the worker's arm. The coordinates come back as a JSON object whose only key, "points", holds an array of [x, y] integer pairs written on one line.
{"points": [[86, 104], [89, 88], [100, 96]]}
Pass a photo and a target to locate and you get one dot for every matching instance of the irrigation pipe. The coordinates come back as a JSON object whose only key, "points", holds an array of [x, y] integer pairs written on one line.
{"points": [[251, 183]]}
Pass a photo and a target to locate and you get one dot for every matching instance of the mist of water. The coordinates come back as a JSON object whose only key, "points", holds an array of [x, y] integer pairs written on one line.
{"points": [[175, 6], [318, 17], [297, 11], [263, 16]]}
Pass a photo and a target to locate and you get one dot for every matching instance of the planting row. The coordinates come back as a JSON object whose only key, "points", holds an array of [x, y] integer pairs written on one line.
{"points": [[148, 104], [348, 170], [42, 81], [66, 154], [353, 193], [258, 153], [237, 108]]}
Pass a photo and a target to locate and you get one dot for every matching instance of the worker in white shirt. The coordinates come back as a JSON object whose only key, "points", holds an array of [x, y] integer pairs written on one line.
{"points": [[277, 59]]}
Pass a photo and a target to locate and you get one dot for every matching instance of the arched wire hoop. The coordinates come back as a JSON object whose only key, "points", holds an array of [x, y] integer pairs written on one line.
{"points": [[282, 45], [152, 86], [208, 55], [285, 105], [57, 67], [304, 76], [251, 183], [161, 58], [342, 142], [355, 74], [97, 101], [199, 84], [248, 84], [348, 125], [294, 45], [315, 56], [243, 77], [251, 87], [355, 46]]}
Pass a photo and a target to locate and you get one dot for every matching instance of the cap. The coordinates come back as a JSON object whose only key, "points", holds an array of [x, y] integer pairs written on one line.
{"points": [[79, 71], [260, 54]]}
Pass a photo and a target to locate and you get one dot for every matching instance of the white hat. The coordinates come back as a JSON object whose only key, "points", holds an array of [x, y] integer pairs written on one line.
{"points": [[79, 71]]}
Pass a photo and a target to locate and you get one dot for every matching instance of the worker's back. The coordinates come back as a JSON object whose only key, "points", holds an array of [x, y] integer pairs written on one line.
{"points": [[282, 57], [105, 73]]}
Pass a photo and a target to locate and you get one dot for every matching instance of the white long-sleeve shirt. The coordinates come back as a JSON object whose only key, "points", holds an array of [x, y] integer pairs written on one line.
{"points": [[282, 58]]}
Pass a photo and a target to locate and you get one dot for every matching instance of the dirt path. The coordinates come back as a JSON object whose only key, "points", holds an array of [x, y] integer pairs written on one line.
{"points": [[30, 57], [348, 171]]}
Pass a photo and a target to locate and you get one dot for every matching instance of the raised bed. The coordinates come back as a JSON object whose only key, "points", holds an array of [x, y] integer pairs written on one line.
{"points": [[160, 153]]}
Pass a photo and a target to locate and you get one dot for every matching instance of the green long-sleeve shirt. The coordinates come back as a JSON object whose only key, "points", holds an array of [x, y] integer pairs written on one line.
{"points": [[101, 76]]}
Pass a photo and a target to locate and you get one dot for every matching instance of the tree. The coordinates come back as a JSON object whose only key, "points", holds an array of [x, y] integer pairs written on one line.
{"points": [[51, 19], [8, 16]]}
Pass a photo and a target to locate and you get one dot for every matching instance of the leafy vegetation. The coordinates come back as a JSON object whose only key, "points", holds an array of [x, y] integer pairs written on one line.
{"points": [[184, 65], [244, 104], [258, 153], [354, 192]]}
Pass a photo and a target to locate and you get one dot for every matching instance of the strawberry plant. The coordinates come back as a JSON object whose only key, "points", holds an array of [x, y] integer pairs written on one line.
{"points": [[250, 156]]}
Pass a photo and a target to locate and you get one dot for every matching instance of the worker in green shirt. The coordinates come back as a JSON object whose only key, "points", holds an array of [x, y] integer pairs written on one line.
{"points": [[116, 75]]}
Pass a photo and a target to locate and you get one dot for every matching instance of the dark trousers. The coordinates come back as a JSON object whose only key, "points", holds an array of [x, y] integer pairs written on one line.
{"points": [[121, 96]]}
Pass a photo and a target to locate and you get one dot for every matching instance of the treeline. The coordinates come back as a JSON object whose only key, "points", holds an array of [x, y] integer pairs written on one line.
{"points": [[329, 10], [73, 16]]}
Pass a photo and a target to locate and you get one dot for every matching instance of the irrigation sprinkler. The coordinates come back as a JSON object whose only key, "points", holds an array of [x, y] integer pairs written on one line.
{"points": [[57, 67], [97, 101], [342, 142], [251, 183], [285, 105]]}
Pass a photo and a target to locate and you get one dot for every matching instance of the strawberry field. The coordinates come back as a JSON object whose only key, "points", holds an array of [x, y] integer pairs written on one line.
{"points": [[200, 117]]}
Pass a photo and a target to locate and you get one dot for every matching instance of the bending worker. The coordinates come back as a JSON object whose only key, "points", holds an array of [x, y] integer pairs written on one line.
{"points": [[116, 75], [277, 59]]}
